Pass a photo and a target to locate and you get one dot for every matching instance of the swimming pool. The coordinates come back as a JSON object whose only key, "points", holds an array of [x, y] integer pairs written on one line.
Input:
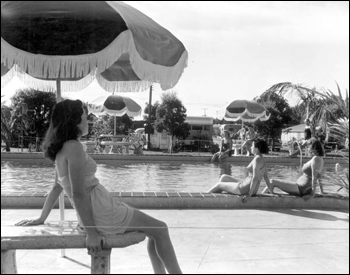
{"points": [[23, 175]]}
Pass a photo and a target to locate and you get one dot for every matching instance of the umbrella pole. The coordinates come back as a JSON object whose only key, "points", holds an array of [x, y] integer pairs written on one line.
{"points": [[149, 118], [58, 90], [61, 197], [61, 206], [115, 125]]}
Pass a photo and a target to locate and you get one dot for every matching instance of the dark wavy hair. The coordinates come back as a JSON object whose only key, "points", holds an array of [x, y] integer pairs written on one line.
{"points": [[261, 145], [317, 147], [66, 115]]}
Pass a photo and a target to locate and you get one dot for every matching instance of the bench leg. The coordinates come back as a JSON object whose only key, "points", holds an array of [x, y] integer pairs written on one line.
{"points": [[101, 262], [8, 262]]}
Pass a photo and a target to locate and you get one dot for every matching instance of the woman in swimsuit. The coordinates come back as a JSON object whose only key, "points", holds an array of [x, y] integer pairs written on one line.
{"points": [[308, 133], [306, 185], [250, 185], [225, 149], [250, 136], [98, 213]]}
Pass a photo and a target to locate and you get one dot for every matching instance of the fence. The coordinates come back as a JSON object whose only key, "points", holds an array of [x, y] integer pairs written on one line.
{"points": [[28, 144]]}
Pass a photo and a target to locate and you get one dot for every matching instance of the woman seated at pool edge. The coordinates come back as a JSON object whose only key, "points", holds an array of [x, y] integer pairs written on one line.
{"points": [[250, 185], [225, 148], [250, 136], [306, 185], [98, 213]]}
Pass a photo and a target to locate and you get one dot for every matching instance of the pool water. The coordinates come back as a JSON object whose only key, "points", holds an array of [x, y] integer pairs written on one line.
{"points": [[23, 175]]}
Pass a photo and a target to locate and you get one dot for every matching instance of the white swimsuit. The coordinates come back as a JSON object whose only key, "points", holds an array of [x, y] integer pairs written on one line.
{"points": [[109, 215]]}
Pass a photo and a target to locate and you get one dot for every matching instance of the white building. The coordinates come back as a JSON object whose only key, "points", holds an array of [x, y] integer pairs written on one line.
{"points": [[201, 126]]}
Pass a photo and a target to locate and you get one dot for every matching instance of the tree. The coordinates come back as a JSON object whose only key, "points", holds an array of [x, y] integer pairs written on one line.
{"points": [[171, 116], [6, 134], [280, 115], [327, 109], [36, 120], [123, 123], [105, 124], [154, 107]]}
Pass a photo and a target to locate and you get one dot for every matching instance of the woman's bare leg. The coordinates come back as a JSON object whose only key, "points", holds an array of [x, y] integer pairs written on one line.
{"points": [[222, 157], [157, 263], [160, 249], [226, 183], [286, 186], [215, 156]]}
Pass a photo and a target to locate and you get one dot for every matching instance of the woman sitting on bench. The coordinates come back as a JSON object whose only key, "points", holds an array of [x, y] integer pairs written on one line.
{"points": [[98, 213]]}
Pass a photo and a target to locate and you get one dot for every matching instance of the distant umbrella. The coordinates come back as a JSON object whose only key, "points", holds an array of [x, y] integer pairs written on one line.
{"points": [[114, 105], [246, 110]]}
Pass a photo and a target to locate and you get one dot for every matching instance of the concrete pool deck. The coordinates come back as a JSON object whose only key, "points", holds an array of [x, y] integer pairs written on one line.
{"points": [[243, 241]]}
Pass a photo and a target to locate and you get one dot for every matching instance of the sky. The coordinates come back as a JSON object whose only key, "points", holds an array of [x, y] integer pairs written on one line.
{"points": [[237, 50]]}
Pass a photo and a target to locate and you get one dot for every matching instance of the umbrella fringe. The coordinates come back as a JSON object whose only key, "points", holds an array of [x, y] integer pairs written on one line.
{"points": [[47, 85], [263, 114], [122, 86], [239, 118], [5, 79], [167, 76], [66, 67], [53, 67], [119, 113]]}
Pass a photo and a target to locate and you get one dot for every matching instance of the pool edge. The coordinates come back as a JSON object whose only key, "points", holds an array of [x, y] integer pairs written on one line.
{"points": [[185, 200]]}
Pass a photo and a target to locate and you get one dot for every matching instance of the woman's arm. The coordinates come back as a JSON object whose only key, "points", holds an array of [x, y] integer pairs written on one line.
{"points": [[221, 145], [50, 201], [321, 187], [76, 171], [250, 166], [268, 183]]}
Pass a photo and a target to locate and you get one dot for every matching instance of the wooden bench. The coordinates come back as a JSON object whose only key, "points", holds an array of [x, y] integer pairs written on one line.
{"points": [[58, 235]]}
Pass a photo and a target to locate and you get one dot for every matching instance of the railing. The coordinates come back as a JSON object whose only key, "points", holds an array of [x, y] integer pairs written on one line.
{"points": [[29, 144]]}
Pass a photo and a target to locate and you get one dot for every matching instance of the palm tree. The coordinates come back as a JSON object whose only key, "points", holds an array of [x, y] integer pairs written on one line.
{"points": [[322, 104], [12, 121]]}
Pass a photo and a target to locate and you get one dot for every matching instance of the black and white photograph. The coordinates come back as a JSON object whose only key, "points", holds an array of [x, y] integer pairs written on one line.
{"points": [[174, 137]]}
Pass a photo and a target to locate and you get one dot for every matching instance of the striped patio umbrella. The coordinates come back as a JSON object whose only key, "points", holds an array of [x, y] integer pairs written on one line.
{"points": [[65, 45], [114, 105], [74, 42], [246, 110]]}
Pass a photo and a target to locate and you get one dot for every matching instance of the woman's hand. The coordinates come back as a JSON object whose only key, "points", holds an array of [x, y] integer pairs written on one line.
{"points": [[244, 198], [94, 243], [30, 222]]}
